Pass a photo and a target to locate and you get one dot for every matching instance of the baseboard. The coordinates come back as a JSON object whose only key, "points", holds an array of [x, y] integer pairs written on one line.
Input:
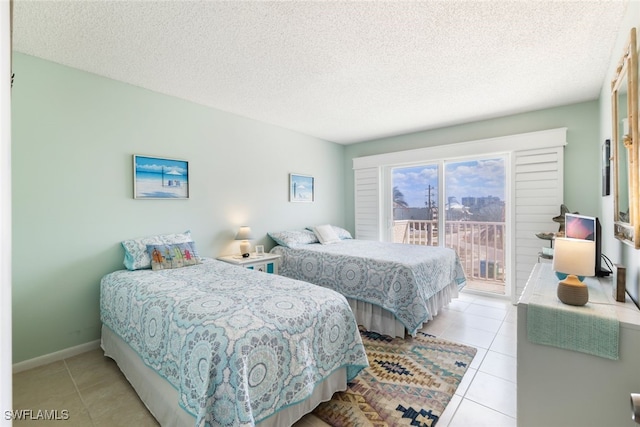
{"points": [[54, 357]]}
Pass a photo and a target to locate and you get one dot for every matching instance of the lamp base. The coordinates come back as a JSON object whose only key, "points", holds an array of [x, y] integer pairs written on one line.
{"points": [[245, 248], [572, 291]]}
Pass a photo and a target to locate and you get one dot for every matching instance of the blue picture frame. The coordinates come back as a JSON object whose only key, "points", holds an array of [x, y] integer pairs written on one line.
{"points": [[160, 178]]}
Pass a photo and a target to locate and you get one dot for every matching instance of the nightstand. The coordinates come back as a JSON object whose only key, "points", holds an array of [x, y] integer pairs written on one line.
{"points": [[267, 263]]}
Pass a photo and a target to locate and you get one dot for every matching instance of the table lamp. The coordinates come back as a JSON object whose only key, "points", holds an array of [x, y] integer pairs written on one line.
{"points": [[244, 234], [573, 258]]}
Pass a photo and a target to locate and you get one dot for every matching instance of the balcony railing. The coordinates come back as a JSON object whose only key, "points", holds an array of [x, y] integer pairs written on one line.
{"points": [[480, 245]]}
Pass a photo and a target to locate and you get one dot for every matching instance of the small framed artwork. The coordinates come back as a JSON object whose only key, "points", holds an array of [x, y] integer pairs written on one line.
{"points": [[259, 250], [160, 178], [301, 188], [606, 168]]}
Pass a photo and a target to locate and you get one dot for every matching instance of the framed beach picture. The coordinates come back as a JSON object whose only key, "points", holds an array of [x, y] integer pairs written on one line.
{"points": [[160, 178], [301, 188]]}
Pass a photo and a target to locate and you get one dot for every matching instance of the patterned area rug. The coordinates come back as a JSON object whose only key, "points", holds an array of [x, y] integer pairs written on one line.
{"points": [[409, 382]]}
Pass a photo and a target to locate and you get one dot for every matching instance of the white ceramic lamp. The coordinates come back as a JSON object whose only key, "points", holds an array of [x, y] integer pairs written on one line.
{"points": [[244, 235], [574, 257]]}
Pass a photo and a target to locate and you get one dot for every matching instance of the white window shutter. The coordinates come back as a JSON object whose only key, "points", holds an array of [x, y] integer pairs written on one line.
{"points": [[537, 196], [367, 203]]}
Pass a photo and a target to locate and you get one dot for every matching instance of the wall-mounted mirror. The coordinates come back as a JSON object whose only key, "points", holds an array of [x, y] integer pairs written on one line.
{"points": [[624, 101]]}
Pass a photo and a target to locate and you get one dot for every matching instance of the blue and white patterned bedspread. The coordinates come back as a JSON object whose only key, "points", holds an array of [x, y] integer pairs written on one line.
{"points": [[397, 277], [238, 345]]}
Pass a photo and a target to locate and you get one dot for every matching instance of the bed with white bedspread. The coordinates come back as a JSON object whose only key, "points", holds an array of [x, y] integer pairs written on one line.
{"points": [[405, 284], [215, 344]]}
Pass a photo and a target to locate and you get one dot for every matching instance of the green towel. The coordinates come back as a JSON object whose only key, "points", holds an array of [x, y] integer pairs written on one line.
{"points": [[593, 328]]}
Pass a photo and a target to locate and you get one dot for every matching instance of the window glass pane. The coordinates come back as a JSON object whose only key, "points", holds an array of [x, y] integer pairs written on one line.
{"points": [[415, 204], [475, 220], [475, 190]]}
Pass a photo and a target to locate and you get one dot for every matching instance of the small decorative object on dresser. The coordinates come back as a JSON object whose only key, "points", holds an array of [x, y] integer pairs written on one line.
{"points": [[619, 282], [259, 250], [560, 219], [547, 253]]}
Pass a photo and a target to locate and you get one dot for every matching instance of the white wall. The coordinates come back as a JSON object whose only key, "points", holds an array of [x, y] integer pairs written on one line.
{"points": [[74, 135]]}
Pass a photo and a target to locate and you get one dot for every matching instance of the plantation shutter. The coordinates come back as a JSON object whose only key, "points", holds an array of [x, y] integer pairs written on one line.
{"points": [[538, 194], [367, 203]]}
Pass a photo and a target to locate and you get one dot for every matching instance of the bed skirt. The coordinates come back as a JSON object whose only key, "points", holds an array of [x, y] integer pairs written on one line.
{"points": [[161, 398], [377, 319]]}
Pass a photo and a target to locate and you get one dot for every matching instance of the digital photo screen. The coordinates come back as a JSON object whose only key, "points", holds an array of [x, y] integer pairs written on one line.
{"points": [[580, 227]]}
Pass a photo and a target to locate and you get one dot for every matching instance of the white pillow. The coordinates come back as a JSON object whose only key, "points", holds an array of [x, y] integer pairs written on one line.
{"points": [[326, 234]]}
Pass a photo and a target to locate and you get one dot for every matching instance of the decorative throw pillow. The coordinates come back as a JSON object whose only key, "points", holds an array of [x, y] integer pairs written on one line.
{"points": [[291, 239], [177, 255], [326, 234], [136, 256]]}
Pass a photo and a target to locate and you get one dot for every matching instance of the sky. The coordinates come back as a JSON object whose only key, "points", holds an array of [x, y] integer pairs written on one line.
{"points": [[154, 164], [478, 178]]}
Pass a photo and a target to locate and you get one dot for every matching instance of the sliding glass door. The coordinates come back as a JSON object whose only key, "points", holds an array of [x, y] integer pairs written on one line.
{"points": [[460, 205], [474, 223]]}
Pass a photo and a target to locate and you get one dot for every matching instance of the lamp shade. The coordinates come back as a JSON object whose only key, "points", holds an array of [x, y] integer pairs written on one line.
{"points": [[244, 233], [574, 256]]}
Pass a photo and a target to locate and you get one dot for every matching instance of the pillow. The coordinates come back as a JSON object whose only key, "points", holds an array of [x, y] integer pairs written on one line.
{"points": [[291, 239], [326, 234], [341, 232], [136, 256], [177, 255]]}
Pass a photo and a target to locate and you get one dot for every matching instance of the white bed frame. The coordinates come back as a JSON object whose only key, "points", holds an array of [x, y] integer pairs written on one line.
{"points": [[161, 398]]}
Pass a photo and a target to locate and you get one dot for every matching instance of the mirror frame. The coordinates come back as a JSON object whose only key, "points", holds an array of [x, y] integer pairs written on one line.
{"points": [[628, 232]]}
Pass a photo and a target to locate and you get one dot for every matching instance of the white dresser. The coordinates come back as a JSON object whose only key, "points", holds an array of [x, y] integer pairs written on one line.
{"points": [[565, 388]]}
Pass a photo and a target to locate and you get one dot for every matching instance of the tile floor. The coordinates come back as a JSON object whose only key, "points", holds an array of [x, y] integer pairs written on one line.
{"points": [[95, 393]]}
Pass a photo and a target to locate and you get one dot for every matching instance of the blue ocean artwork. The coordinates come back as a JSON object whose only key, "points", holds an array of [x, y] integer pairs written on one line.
{"points": [[301, 188], [157, 178]]}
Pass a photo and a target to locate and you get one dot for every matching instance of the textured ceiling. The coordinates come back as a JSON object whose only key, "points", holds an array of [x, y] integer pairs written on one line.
{"points": [[342, 71]]}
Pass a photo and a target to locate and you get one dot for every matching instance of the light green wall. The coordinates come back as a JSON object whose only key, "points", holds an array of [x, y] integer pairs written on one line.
{"points": [[74, 135], [619, 252], [582, 186]]}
